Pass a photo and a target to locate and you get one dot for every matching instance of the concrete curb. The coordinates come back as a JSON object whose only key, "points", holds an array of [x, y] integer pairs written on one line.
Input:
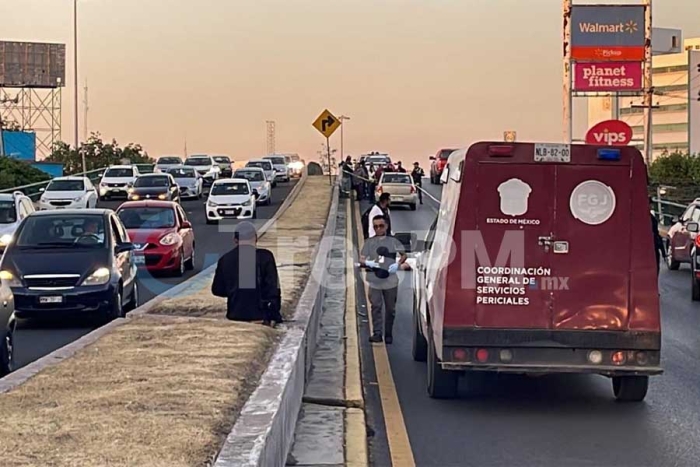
{"points": [[194, 283], [264, 431]]}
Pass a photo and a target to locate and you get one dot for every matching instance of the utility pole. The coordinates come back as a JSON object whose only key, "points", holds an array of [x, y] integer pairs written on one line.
{"points": [[342, 118], [85, 123], [566, 95], [185, 145], [75, 83], [648, 85], [270, 140]]}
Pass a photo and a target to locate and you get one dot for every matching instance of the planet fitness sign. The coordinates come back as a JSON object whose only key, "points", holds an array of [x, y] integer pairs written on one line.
{"points": [[615, 77], [607, 33]]}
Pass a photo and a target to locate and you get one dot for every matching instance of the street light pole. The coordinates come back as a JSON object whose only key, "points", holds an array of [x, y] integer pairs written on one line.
{"points": [[75, 82], [342, 118]]}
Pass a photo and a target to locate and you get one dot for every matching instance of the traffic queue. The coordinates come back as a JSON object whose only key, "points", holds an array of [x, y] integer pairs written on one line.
{"points": [[65, 256]]}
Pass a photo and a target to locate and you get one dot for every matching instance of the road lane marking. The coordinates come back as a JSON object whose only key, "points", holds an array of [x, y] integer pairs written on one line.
{"points": [[353, 378], [397, 435]]}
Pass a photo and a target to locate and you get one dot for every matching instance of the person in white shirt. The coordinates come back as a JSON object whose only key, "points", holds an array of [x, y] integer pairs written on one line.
{"points": [[381, 209]]}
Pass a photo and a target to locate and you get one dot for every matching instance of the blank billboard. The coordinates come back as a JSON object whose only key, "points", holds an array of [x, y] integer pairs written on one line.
{"points": [[32, 64]]}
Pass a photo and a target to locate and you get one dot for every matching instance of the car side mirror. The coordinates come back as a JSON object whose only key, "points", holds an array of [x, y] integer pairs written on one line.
{"points": [[41, 190], [186, 225], [693, 227], [124, 247]]}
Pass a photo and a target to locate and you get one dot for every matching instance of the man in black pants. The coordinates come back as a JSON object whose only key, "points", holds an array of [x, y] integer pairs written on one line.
{"points": [[417, 174], [379, 254]]}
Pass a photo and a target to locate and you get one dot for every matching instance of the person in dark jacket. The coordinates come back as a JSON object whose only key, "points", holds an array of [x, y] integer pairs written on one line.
{"points": [[658, 241], [417, 176], [247, 277]]}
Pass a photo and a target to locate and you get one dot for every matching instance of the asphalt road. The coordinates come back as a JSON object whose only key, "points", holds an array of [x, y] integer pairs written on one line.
{"points": [[558, 421], [35, 339]]}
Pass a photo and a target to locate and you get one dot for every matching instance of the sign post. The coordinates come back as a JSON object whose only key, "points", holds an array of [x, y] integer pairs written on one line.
{"points": [[326, 124]]}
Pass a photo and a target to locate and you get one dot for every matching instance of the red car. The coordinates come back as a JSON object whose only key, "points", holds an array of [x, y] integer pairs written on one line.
{"points": [[162, 235], [439, 161]]}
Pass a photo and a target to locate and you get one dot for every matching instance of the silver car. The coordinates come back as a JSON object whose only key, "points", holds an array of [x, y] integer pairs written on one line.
{"points": [[267, 167], [258, 182], [189, 181], [165, 162], [280, 165]]}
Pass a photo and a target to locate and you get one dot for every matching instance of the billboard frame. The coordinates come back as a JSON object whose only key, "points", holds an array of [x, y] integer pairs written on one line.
{"points": [[36, 65]]}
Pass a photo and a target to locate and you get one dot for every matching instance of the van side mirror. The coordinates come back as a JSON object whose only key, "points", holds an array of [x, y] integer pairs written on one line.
{"points": [[693, 227], [124, 247]]}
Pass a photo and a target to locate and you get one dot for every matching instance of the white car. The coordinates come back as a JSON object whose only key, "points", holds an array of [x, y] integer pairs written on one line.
{"points": [[68, 193], [279, 163], [206, 166], [230, 198], [258, 182], [164, 163], [267, 167], [117, 180], [14, 207]]}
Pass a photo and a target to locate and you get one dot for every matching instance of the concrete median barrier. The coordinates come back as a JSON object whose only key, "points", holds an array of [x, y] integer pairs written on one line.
{"points": [[171, 386]]}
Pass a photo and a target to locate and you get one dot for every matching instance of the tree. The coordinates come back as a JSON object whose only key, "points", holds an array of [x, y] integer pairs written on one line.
{"points": [[680, 170], [98, 154], [14, 172]]}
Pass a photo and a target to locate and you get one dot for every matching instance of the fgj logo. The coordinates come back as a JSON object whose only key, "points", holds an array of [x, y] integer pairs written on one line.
{"points": [[610, 133]]}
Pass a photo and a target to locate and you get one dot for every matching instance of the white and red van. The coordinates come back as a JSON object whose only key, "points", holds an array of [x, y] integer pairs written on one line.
{"points": [[541, 260]]}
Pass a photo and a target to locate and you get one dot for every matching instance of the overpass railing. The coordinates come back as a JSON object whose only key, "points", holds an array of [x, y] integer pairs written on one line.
{"points": [[33, 190]]}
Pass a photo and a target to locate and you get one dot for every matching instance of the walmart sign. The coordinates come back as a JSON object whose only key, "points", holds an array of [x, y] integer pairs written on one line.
{"points": [[607, 25]]}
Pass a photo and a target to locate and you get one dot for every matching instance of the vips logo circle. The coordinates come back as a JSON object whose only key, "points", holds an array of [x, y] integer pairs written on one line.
{"points": [[610, 133]]}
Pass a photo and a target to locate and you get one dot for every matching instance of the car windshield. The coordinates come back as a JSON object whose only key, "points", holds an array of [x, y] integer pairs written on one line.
{"points": [[263, 165], [147, 218], [66, 185], [226, 189], [250, 175], [119, 173], [198, 161], [222, 160], [8, 213], [62, 231], [151, 182], [445, 153], [146, 168], [182, 172], [396, 178], [169, 161], [277, 160]]}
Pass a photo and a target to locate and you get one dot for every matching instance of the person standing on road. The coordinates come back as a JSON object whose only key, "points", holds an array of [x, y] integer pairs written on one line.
{"points": [[658, 241], [383, 255], [399, 168], [417, 174], [372, 184], [347, 171], [381, 208], [247, 277]]}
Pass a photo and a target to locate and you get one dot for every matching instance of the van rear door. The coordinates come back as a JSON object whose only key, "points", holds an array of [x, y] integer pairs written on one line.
{"points": [[592, 226], [515, 210]]}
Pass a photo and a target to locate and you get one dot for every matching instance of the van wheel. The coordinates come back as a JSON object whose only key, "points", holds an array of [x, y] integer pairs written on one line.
{"points": [[672, 264], [630, 388], [442, 384], [419, 346], [413, 207]]}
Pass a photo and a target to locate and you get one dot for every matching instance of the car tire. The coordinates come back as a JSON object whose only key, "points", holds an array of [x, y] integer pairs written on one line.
{"points": [[211, 221], [442, 384], [7, 353], [671, 263], [695, 283], [180, 270], [419, 345], [413, 207], [189, 264], [134, 302], [630, 388], [116, 310]]}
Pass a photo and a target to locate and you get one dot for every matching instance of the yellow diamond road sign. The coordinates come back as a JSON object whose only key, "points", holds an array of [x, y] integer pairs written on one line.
{"points": [[326, 123]]}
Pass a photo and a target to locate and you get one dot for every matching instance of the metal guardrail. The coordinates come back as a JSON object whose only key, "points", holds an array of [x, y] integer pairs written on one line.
{"points": [[32, 190], [666, 211]]}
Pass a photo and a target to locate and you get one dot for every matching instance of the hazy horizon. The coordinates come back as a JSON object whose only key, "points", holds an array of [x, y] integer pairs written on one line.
{"points": [[413, 75]]}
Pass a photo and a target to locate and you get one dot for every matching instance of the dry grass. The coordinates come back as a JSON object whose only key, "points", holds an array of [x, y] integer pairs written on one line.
{"points": [[292, 239], [158, 391]]}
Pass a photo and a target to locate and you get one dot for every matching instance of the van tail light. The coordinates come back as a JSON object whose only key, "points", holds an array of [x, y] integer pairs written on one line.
{"points": [[619, 358], [482, 355], [500, 150]]}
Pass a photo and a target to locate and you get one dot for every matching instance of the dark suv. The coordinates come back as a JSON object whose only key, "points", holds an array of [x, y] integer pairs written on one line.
{"points": [[71, 262]]}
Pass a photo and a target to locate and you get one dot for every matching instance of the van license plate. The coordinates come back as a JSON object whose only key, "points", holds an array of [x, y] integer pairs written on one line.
{"points": [[51, 299], [552, 153]]}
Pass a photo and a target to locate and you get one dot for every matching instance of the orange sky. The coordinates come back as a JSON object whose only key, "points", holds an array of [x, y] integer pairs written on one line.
{"points": [[414, 75]]}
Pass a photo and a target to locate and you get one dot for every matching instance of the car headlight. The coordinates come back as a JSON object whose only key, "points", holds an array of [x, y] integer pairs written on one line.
{"points": [[99, 277], [162, 196], [248, 203], [130, 190], [5, 239], [9, 279], [170, 239], [212, 203], [78, 198]]}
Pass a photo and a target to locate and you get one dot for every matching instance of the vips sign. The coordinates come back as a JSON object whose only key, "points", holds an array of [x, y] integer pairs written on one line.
{"points": [[607, 33], [616, 77], [610, 133]]}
